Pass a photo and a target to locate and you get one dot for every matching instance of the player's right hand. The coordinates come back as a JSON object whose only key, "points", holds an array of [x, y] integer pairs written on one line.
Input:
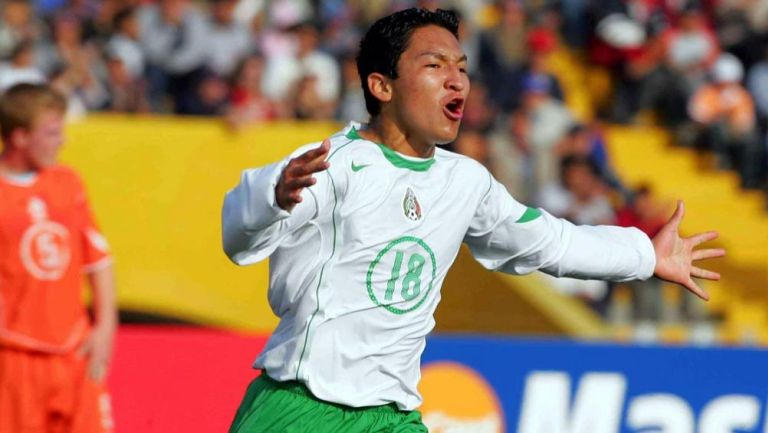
{"points": [[297, 175]]}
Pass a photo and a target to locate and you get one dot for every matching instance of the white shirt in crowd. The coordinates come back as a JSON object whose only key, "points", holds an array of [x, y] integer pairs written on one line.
{"points": [[129, 52], [283, 72], [10, 76]]}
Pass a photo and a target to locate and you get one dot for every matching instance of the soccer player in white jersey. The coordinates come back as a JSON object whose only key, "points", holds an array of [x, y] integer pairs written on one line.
{"points": [[362, 228]]}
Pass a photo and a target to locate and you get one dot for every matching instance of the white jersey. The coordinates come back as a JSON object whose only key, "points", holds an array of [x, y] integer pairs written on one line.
{"points": [[356, 267]]}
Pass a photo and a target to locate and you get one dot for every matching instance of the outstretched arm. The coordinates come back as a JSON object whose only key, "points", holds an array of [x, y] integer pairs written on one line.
{"points": [[675, 255], [507, 236]]}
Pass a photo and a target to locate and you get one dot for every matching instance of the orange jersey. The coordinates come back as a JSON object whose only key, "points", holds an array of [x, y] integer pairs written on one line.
{"points": [[48, 241], [730, 102]]}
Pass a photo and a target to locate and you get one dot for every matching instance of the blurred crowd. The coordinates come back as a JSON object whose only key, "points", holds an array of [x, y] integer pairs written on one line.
{"points": [[699, 68]]}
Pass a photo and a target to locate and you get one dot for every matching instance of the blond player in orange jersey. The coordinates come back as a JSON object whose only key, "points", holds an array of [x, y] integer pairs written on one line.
{"points": [[53, 358]]}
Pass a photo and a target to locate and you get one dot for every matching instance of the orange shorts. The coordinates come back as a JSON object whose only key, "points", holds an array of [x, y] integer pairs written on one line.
{"points": [[50, 393]]}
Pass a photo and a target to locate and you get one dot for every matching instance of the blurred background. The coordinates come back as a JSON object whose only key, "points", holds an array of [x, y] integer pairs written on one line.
{"points": [[600, 111]]}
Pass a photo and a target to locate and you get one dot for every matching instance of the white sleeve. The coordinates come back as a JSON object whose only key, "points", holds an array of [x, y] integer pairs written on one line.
{"points": [[508, 236], [253, 224]]}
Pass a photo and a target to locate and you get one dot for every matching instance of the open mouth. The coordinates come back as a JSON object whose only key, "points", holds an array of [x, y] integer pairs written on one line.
{"points": [[454, 109]]}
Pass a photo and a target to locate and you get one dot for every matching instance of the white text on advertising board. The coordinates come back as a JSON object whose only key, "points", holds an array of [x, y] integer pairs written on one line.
{"points": [[597, 405]]}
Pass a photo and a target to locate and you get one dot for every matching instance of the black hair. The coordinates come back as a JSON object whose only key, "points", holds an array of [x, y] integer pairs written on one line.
{"points": [[121, 17], [570, 161], [24, 45], [388, 38]]}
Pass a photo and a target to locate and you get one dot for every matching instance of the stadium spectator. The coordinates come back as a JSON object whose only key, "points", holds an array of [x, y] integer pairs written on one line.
{"points": [[247, 101], [505, 42], [724, 112], [690, 50], [738, 28], [125, 92], [125, 43], [21, 67], [640, 75], [270, 29], [17, 24], [229, 39], [174, 39], [550, 121], [691, 46], [503, 52], [509, 155], [82, 9], [66, 48], [83, 91], [542, 43], [618, 31], [211, 95], [588, 141], [308, 103], [310, 62], [71, 66], [580, 196], [340, 34], [757, 85], [575, 22], [250, 12], [643, 211], [97, 17]]}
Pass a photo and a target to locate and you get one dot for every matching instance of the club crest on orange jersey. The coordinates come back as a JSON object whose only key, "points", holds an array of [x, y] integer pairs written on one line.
{"points": [[44, 247], [411, 206]]}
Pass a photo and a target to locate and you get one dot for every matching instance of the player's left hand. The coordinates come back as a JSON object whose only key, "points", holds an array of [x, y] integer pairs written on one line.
{"points": [[675, 255], [97, 349]]}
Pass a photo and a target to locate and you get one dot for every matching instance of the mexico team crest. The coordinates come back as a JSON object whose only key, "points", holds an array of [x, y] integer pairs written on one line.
{"points": [[411, 206]]}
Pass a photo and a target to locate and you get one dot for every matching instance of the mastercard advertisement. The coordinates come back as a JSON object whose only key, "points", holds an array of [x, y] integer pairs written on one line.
{"points": [[187, 379], [490, 385]]}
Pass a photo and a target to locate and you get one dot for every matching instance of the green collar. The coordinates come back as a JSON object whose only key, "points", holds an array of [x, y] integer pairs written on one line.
{"points": [[393, 157]]}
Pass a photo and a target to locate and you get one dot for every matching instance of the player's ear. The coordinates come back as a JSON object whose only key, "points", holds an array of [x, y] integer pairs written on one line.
{"points": [[18, 138], [380, 86]]}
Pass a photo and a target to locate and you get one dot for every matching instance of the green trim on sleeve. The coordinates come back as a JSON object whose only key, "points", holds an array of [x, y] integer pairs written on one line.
{"points": [[530, 214]]}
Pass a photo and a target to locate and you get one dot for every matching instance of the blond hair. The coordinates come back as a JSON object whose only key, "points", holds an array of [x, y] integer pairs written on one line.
{"points": [[22, 103]]}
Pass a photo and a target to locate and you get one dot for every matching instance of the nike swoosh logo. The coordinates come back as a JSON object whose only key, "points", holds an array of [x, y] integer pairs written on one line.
{"points": [[357, 168]]}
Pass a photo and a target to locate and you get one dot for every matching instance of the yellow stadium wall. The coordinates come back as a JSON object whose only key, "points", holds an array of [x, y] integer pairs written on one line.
{"points": [[157, 185]]}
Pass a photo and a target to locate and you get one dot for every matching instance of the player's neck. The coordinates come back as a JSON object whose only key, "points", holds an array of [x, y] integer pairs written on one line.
{"points": [[13, 163], [387, 132]]}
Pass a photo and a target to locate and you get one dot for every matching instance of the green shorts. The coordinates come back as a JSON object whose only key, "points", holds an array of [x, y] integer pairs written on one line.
{"points": [[270, 406]]}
